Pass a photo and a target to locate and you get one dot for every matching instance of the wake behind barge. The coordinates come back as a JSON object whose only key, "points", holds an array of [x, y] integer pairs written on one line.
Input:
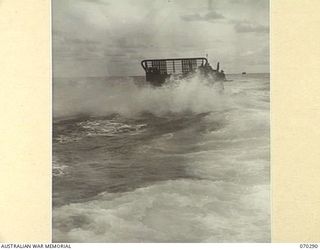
{"points": [[159, 70]]}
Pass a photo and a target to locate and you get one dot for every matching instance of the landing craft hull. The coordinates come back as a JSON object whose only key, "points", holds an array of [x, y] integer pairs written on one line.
{"points": [[159, 70]]}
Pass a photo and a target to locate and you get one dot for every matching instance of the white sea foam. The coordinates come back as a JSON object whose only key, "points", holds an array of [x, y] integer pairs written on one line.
{"points": [[172, 211], [109, 128], [98, 127], [58, 169], [103, 97]]}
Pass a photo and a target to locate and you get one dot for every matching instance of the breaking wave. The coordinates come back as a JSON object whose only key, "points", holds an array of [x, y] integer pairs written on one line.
{"points": [[172, 211], [98, 97]]}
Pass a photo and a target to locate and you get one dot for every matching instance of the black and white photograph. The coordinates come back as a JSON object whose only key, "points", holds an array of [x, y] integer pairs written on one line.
{"points": [[161, 121]]}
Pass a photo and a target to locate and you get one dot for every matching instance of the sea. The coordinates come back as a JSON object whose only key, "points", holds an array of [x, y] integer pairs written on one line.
{"points": [[185, 162]]}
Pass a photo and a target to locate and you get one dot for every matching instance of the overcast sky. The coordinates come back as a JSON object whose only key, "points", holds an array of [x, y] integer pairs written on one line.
{"points": [[111, 37]]}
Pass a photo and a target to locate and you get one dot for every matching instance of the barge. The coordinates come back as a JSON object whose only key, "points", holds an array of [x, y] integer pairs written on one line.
{"points": [[159, 70]]}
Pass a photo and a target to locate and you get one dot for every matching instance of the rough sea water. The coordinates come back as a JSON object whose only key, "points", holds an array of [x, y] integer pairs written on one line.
{"points": [[187, 162]]}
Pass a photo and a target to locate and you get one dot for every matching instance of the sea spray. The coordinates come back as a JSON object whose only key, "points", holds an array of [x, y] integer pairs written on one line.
{"points": [[97, 97]]}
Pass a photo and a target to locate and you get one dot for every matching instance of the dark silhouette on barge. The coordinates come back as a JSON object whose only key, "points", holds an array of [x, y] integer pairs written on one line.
{"points": [[159, 70]]}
